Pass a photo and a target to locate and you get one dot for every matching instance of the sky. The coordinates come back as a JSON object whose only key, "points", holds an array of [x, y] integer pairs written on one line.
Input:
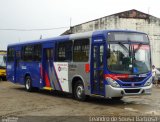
{"points": [[58, 15]]}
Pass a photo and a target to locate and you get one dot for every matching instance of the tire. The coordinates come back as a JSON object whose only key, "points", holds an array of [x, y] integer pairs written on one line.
{"points": [[116, 98], [79, 92], [4, 78], [28, 84]]}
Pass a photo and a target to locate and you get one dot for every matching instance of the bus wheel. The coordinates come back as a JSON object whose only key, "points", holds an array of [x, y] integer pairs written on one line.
{"points": [[117, 98], [79, 92], [4, 78], [28, 84]]}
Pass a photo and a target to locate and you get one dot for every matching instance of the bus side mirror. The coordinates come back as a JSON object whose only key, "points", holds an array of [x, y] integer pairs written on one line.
{"points": [[108, 53]]}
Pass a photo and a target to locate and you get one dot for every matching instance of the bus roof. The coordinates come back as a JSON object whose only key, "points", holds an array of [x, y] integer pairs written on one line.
{"points": [[72, 36]]}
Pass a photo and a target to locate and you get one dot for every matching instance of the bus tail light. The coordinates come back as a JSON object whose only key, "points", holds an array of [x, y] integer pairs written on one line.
{"points": [[87, 68]]}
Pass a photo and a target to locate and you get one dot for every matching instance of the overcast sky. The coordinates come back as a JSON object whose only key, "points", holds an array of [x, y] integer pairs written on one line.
{"points": [[42, 14]]}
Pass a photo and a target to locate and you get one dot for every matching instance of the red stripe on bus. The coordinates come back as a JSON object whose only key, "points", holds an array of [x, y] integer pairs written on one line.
{"points": [[116, 76], [47, 80]]}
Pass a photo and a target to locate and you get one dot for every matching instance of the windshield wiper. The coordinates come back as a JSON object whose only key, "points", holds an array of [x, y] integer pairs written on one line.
{"points": [[123, 46]]}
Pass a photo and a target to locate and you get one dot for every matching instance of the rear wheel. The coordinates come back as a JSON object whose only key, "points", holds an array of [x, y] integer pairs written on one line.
{"points": [[28, 84], [4, 78], [79, 92]]}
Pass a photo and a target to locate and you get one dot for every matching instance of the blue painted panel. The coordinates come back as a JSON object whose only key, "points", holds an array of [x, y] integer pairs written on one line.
{"points": [[31, 68], [10, 71]]}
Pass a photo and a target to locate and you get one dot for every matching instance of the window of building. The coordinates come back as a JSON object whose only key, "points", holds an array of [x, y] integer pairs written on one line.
{"points": [[81, 50]]}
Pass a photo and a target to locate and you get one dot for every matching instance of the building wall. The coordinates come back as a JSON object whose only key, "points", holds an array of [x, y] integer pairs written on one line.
{"points": [[150, 25]]}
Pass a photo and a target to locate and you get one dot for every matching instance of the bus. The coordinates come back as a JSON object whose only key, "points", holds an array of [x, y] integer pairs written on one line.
{"points": [[106, 63], [3, 65]]}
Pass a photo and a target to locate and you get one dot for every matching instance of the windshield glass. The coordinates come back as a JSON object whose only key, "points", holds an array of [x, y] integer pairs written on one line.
{"points": [[129, 59], [2, 60], [141, 59]]}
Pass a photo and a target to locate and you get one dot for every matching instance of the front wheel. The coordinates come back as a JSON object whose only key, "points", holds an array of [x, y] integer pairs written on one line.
{"points": [[79, 92], [28, 84]]}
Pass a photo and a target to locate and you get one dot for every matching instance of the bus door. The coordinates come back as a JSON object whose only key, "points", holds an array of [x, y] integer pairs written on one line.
{"points": [[11, 64], [17, 68], [47, 65], [97, 78]]}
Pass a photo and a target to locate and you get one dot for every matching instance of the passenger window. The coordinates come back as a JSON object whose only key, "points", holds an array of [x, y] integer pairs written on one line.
{"points": [[37, 52], [81, 50], [32, 53], [64, 51], [10, 57], [28, 52], [101, 56], [49, 54]]}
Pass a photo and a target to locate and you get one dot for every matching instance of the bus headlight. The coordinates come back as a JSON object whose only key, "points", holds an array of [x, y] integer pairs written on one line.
{"points": [[149, 82], [112, 82]]}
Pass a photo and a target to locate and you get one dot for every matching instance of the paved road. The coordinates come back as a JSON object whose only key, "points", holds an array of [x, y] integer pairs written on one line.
{"points": [[15, 101]]}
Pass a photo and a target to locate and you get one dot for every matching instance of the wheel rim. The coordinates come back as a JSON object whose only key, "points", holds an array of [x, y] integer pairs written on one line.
{"points": [[28, 83], [79, 91]]}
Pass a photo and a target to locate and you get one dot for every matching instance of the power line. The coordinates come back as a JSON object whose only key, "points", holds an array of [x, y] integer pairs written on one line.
{"points": [[40, 29]]}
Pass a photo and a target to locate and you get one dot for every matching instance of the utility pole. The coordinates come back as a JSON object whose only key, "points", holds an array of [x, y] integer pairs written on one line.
{"points": [[70, 22], [70, 25], [40, 37], [148, 9]]}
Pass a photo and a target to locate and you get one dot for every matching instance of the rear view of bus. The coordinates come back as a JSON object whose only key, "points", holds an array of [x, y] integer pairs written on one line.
{"points": [[128, 64], [3, 65]]}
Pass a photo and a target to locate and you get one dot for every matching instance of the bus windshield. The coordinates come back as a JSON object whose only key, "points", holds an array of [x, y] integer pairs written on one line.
{"points": [[129, 58], [2, 60]]}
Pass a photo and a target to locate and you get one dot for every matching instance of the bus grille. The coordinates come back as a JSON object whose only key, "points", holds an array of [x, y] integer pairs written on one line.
{"points": [[136, 79], [130, 85], [132, 90]]}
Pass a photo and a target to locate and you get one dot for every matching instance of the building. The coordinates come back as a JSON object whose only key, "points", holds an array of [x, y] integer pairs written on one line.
{"points": [[130, 20]]}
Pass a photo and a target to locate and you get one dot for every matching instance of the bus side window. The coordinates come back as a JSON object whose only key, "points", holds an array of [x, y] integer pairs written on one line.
{"points": [[64, 51], [101, 56], [37, 52], [49, 54], [10, 57], [31, 53], [81, 50], [27, 53]]}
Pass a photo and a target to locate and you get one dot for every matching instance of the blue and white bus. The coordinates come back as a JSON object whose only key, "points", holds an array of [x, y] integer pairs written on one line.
{"points": [[106, 63]]}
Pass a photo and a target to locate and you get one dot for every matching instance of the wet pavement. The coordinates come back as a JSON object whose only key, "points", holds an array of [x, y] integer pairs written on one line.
{"points": [[15, 101]]}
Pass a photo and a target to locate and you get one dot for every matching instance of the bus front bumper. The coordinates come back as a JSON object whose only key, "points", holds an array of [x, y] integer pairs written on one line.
{"points": [[119, 92]]}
